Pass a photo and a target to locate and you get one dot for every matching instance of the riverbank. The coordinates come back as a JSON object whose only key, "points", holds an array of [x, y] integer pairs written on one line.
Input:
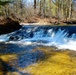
{"points": [[8, 25], [48, 21]]}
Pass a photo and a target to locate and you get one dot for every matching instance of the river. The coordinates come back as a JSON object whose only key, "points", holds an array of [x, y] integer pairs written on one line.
{"points": [[23, 42]]}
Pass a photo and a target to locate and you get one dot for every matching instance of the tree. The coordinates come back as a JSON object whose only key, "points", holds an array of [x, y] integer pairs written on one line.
{"points": [[35, 4], [35, 7], [3, 4]]}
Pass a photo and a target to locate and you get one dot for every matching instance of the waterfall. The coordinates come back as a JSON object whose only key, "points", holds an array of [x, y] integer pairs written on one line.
{"points": [[63, 37]]}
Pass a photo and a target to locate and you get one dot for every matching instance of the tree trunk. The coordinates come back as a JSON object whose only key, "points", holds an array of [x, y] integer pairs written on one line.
{"points": [[40, 8], [44, 9], [58, 12], [35, 6]]}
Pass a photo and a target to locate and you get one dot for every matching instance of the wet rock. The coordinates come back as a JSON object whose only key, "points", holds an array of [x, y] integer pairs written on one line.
{"points": [[8, 25], [14, 38]]}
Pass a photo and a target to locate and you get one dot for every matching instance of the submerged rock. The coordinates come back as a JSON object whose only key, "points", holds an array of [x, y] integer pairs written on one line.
{"points": [[8, 25]]}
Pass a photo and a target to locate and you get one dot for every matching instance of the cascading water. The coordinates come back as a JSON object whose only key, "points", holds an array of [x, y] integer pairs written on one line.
{"points": [[23, 42], [63, 37]]}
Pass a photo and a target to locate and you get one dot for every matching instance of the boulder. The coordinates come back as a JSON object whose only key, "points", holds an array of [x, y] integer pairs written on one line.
{"points": [[8, 25]]}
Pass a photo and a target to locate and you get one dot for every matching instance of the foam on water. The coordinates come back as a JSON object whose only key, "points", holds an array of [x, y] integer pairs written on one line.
{"points": [[42, 36], [71, 44], [4, 38]]}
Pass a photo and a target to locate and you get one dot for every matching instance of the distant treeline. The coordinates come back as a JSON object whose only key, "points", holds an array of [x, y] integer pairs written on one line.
{"points": [[23, 9]]}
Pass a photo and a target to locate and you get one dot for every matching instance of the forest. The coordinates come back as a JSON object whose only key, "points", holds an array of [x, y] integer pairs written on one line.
{"points": [[53, 11]]}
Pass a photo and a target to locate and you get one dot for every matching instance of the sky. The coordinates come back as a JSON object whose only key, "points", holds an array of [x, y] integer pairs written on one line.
{"points": [[28, 1]]}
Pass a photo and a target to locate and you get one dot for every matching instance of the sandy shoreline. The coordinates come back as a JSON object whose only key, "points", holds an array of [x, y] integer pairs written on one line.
{"points": [[36, 24]]}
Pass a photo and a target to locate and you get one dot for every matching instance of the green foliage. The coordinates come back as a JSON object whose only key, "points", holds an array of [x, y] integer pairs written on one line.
{"points": [[4, 2]]}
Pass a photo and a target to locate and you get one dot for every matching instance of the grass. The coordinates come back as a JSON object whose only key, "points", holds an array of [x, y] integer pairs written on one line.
{"points": [[56, 63]]}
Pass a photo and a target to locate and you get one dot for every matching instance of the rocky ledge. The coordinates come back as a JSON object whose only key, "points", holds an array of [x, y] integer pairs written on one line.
{"points": [[8, 25]]}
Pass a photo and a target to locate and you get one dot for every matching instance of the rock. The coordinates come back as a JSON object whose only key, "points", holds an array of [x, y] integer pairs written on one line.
{"points": [[70, 22], [8, 25]]}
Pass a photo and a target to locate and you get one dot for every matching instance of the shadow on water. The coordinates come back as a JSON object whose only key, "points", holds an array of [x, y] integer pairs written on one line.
{"points": [[29, 58], [5, 67], [13, 48], [26, 55]]}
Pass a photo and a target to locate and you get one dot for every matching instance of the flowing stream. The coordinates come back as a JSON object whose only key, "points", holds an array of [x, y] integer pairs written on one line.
{"points": [[63, 37], [27, 38]]}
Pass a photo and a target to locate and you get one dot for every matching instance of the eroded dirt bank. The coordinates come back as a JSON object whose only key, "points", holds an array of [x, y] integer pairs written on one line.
{"points": [[8, 25]]}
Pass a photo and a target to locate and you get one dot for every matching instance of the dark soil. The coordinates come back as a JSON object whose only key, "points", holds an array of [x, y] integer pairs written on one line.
{"points": [[8, 25]]}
